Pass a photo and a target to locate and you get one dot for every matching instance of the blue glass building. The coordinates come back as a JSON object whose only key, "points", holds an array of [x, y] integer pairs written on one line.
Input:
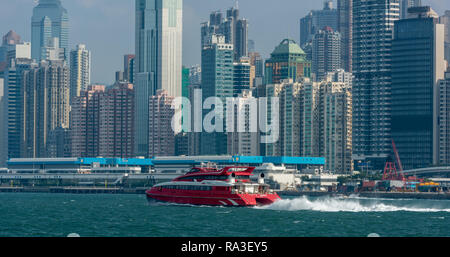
{"points": [[417, 65], [50, 20]]}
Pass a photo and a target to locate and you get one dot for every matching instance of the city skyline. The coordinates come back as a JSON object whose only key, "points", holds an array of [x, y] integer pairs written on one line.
{"points": [[95, 24]]}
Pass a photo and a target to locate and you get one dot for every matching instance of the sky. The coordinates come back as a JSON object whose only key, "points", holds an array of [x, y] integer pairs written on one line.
{"points": [[107, 26]]}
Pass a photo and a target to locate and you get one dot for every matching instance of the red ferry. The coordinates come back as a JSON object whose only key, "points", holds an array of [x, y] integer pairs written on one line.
{"points": [[230, 186]]}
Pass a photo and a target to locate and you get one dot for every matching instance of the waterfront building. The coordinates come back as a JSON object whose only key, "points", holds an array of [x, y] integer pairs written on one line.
{"points": [[406, 4], [50, 20], [194, 137], [316, 20], [335, 126], [445, 19], [309, 124], [102, 121], [158, 59], [290, 114], [14, 93], [129, 67], [161, 135], [46, 108], [85, 122], [116, 124], [243, 140], [444, 120], [287, 61], [326, 52], [59, 143], [217, 81], [417, 65], [80, 70], [161, 165], [3, 126], [315, 119], [182, 144], [345, 28], [373, 25]]}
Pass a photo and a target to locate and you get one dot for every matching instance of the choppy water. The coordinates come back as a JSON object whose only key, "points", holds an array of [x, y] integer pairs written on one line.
{"points": [[58, 215]]}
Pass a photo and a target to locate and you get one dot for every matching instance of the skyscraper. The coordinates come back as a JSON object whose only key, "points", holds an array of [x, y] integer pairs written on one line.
{"points": [[232, 27], [80, 70], [158, 58], [341, 76], [405, 4], [334, 122], [52, 51], [50, 20], [85, 122], [102, 121], [315, 119], [373, 24], [14, 93], [242, 141], [287, 61], [444, 120], [241, 76], [46, 107], [326, 52], [3, 126], [290, 118], [116, 125], [185, 90], [241, 39], [417, 65], [9, 40], [345, 28], [316, 20], [161, 135], [217, 58], [12, 47], [194, 138], [445, 19], [128, 67]]}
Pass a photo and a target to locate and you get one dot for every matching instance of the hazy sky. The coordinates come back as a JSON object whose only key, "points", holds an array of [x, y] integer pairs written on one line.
{"points": [[107, 26]]}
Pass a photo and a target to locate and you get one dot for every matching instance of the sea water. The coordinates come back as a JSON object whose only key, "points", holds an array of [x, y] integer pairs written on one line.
{"points": [[109, 215]]}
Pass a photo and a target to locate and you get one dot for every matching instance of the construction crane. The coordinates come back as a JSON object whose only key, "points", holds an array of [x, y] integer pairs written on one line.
{"points": [[397, 157], [390, 170]]}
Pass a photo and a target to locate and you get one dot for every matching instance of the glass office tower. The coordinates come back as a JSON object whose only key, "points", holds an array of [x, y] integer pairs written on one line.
{"points": [[417, 65], [50, 20]]}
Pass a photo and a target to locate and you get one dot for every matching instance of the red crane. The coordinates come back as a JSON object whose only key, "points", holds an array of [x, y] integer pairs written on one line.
{"points": [[390, 171], [397, 157]]}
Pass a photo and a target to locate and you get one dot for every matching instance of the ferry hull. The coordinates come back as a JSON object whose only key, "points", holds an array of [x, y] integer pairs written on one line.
{"points": [[225, 200]]}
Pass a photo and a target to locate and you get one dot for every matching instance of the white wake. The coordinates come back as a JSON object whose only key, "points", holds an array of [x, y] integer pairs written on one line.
{"points": [[334, 204]]}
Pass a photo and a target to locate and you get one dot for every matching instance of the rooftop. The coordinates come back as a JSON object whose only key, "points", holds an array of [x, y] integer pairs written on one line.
{"points": [[288, 46]]}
